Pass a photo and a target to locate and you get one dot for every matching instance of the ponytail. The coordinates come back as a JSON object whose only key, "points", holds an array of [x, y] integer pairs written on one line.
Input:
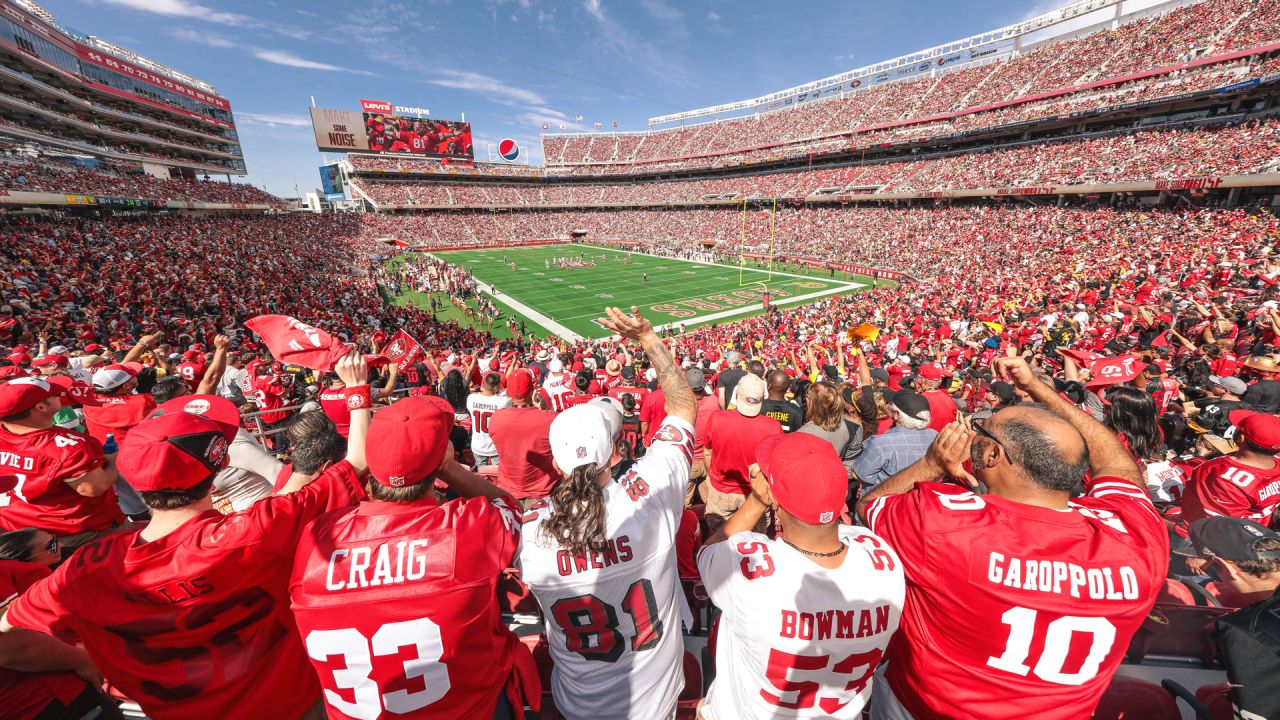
{"points": [[576, 522]]}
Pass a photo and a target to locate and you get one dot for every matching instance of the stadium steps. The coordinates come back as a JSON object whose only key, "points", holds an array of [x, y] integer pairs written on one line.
{"points": [[591, 143], [635, 153], [924, 96]]}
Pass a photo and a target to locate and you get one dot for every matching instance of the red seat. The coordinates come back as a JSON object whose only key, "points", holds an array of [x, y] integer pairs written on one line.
{"points": [[1175, 592], [1129, 698], [692, 692], [1178, 630], [1215, 698], [514, 596]]}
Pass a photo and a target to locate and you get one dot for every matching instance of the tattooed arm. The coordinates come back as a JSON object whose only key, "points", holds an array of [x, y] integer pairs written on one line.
{"points": [[679, 396]]}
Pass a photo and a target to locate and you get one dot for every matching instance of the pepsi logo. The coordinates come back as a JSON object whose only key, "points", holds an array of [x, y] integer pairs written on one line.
{"points": [[509, 149]]}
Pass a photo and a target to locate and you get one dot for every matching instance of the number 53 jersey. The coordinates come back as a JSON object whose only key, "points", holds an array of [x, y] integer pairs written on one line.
{"points": [[612, 617], [798, 640], [1015, 610]]}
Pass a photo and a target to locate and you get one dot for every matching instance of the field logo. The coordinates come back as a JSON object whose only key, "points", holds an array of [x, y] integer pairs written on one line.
{"points": [[508, 149]]}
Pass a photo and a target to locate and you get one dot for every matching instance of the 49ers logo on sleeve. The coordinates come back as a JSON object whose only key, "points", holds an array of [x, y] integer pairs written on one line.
{"points": [[669, 433]]}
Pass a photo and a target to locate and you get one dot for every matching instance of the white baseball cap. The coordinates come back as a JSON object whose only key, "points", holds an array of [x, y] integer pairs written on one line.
{"points": [[581, 436], [555, 366], [749, 395], [612, 410]]}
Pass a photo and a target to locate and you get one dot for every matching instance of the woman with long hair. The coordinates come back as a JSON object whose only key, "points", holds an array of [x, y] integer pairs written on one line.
{"points": [[1131, 414], [599, 555]]}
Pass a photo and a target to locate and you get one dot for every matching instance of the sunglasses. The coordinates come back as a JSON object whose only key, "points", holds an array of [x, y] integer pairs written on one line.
{"points": [[977, 424], [51, 546]]}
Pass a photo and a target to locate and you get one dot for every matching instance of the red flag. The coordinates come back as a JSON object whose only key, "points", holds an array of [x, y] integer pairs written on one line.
{"points": [[1083, 358], [1114, 370], [1161, 340], [296, 343], [402, 349]]}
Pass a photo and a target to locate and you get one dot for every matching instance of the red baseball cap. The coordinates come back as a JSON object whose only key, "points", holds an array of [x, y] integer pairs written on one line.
{"points": [[12, 371], [22, 394], [75, 392], [520, 384], [175, 451], [18, 358], [806, 476], [407, 441], [59, 360], [930, 372], [92, 348], [1260, 429]]}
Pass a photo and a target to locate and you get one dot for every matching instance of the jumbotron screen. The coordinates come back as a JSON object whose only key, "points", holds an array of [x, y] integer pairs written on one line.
{"points": [[418, 136]]}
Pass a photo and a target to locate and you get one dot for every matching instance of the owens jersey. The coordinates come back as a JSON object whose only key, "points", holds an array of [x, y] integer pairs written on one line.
{"points": [[798, 640], [397, 607], [1015, 610], [612, 616], [195, 624], [44, 462], [481, 408], [1223, 486]]}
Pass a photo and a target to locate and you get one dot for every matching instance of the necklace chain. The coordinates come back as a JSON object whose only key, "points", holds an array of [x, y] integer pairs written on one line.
{"points": [[811, 553]]}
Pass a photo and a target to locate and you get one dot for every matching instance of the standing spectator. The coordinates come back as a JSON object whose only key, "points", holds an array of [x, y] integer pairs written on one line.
{"points": [[119, 409], [65, 482], [232, 381], [1245, 556], [907, 441], [777, 406], [729, 450], [333, 399], [599, 548], [481, 406], [1096, 563], [999, 395], [520, 438], [774, 592], [210, 590], [346, 596], [1245, 484], [942, 409]]}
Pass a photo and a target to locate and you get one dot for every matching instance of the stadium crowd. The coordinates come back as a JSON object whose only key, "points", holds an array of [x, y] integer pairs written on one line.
{"points": [[1138, 343], [52, 176]]}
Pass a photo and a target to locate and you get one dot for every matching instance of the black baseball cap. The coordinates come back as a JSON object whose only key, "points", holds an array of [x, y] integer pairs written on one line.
{"points": [[1263, 396], [1232, 539], [910, 403]]}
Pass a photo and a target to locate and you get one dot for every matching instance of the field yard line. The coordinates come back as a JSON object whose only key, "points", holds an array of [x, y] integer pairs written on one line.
{"points": [[530, 313], [719, 265], [752, 308]]}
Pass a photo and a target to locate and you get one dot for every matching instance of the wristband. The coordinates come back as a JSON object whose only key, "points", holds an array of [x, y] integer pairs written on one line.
{"points": [[358, 397]]}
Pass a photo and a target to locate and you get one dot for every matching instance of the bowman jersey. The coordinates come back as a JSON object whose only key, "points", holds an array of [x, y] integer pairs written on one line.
{"points": [[481, 408], [44, 462], [195, 624], [798, 640], [397, 607], [1223, 486], [1015, 610], [612, 617]]}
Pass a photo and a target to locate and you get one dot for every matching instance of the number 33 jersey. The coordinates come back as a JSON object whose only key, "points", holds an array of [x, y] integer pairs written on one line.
{"points": [[1015, 610], [798, 640], [612, 617]]}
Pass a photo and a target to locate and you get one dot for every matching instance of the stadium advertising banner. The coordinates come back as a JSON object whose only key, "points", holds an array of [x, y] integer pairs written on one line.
{"points": [[418, 136], [340, 130]]}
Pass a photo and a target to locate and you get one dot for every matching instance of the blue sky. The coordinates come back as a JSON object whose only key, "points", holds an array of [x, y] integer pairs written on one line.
{"points": [[509, 65]]}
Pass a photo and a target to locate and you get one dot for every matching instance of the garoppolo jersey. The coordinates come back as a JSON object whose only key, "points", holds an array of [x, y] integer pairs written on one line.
{"points": [[1016, 610], [397, 607], [1224, 486], [481, 408], [612, 616], [798, 640], [44, 461], [195, 624]]}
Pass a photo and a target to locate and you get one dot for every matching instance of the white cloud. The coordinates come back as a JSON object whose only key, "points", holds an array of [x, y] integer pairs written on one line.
{"points": [[635, 50], [274, 119], [660, 10], [713, 16], [597, 12], [494, 88], [288, 59], [202, 38], [182, 9]]}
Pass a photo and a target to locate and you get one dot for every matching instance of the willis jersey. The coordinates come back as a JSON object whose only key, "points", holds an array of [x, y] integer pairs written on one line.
{"points": [[397, 607], [1015, 610], [798, 640], [612, 616]]}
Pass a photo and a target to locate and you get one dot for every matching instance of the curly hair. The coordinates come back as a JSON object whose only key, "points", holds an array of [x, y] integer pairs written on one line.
{"points": [[576, 522]]}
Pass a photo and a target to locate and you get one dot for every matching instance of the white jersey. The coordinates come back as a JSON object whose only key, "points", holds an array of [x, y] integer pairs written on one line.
{"points": [[798, 640], [481, 408], [558, 390], [612, 617]]}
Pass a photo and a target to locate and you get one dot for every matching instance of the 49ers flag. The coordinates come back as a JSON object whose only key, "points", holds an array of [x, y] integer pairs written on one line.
{"points": [[402, 349], [294, 342]]}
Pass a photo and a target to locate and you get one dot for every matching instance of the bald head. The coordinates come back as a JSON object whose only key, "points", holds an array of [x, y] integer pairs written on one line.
{"points": [[778, 382], [1044, 448]]}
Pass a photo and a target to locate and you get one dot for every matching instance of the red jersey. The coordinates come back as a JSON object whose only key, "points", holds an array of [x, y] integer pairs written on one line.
{"points": [[1224, 486], [117, 415], [942, 409], [44, 461], [191, 374], [1032, 612], [524, 451], [268, 393], [396, 604], [195, 624], [732, 438], [333, 401], [24, 695], [638, 393], [653, 411]]}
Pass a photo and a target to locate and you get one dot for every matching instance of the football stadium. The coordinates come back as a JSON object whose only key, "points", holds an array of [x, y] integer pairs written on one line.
{"points": [[604, 368]]}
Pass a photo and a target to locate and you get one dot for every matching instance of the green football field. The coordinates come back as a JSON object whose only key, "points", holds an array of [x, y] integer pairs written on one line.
{"points": [[567, 302]]}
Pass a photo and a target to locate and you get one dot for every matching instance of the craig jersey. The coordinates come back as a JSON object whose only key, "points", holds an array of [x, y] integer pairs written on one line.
{"points": [[612, 616], [798, 640]]}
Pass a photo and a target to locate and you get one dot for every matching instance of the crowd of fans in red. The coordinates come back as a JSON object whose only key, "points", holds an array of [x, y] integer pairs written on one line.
{"points": [[52, 176]]}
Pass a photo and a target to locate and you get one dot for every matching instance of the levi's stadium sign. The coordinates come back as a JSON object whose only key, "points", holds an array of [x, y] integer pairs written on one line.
{"points": [[384, 107]]}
